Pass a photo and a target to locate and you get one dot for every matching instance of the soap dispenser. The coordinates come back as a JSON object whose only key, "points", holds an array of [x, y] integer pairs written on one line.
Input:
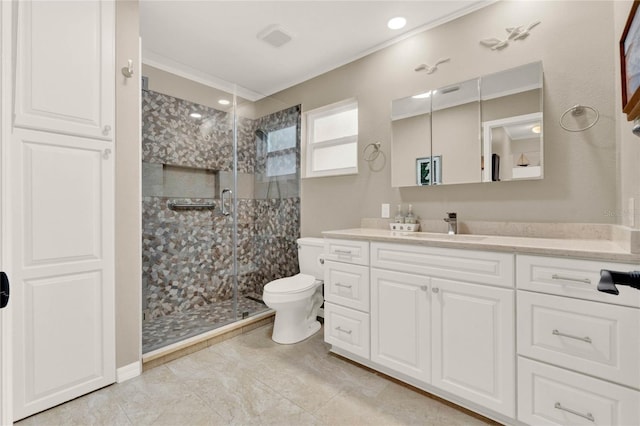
{"points": [[399, 217], [410, 217]]}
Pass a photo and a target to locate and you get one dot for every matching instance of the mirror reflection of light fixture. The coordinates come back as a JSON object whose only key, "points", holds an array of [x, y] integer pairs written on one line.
{"points": [[224, 102], [422, 95], [536, 129], [206, 128]]}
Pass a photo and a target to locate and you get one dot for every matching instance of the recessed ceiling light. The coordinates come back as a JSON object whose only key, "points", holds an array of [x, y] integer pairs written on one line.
{"points": [[397, 23], [195, 115], [536, 129], [224, 102]]}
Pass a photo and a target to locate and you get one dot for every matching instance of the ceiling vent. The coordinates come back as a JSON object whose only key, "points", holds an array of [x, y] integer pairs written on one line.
{"points": [[275, 35]]}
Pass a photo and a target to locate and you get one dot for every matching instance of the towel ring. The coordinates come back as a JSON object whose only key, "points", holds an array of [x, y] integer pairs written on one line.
{"points": [[577, 111], [371, 154]]}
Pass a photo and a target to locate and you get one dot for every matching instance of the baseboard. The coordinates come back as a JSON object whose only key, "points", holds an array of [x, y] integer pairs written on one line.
{"points": [[128, 371]]}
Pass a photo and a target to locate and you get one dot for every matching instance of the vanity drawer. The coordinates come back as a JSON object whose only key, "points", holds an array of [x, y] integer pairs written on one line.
{"points": [[347, 329], [573, 278], [595, 338], [467, 265], [549, 395], [349, 251], [347, 285]]}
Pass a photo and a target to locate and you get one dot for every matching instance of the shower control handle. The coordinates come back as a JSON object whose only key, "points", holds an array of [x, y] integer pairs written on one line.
{"points": [[225, 210]]}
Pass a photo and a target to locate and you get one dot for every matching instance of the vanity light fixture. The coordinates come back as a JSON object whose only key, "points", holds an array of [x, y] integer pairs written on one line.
{"points": [[397, 23], [536, 129], [223, 102], [195, 115]]}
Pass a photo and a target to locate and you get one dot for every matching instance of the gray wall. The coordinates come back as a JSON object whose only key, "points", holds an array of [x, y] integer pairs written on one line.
{"points": [[128, 211], [577, 46]]}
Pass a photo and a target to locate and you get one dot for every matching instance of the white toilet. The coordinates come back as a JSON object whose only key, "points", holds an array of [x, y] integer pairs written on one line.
{"points": [[297, 299]]}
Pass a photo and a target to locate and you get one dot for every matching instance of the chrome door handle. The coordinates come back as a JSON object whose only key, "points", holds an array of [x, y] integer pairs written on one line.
{"points": [[343, 251], [570, 336], [225, 210], [343, 285], [587, 416], [564, 278]]}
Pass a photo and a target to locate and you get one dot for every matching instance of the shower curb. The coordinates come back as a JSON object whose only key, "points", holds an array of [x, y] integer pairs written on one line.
{"points": [[193, 344]]}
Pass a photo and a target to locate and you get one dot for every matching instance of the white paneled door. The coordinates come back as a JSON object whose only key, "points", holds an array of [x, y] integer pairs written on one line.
{"points": [[62, 203], [6, 415]]}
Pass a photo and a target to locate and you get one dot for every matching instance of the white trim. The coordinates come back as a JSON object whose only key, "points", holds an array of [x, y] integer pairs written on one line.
{"points": [[128, 372], [169, 65], [6, 336]]}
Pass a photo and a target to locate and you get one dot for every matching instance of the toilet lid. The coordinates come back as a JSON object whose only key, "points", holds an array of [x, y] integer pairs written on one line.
{"points": [[295, 284]]}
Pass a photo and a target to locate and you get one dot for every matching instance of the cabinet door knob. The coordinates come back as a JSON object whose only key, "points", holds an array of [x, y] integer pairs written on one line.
{"points": [[106, 153], [435, 289], [106, 130], [424, 288]]}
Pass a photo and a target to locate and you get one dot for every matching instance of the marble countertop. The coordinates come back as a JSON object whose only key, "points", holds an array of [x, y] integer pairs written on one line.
{"points": [[598, 249]]}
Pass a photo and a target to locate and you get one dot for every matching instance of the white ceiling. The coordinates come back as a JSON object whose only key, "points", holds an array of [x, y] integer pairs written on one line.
{"points": [[216, 43]]}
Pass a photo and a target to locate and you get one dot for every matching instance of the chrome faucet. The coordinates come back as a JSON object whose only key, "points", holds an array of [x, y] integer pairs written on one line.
{"points": [[452, 221]]}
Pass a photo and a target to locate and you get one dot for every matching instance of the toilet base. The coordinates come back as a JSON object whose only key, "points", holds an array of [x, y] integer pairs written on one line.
{"points": [[289, 335]]}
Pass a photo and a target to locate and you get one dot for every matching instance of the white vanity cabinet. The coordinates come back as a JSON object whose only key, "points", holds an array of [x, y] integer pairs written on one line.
{"points": [[401, 322], [346, 292], [449, 323], [578, 349]]}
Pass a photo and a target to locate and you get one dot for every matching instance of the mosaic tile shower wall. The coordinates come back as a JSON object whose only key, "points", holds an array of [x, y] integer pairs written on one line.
{"points": [[187, 254]]}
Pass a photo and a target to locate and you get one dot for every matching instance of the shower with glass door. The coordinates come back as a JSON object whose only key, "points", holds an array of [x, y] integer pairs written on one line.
{"points": [[221, 209]]}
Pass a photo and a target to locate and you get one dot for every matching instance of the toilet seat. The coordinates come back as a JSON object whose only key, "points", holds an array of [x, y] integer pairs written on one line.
{"points": [[289, 285]]}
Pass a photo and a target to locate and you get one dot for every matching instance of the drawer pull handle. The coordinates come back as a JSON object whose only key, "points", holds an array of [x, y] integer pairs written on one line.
{"points": [[343, 251], [342, 330], [558, 333], [343, 285], [587, 416], [563, 278]]}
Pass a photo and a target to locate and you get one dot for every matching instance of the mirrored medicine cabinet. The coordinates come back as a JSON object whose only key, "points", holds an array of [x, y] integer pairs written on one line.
{"points": [[486, 129]]}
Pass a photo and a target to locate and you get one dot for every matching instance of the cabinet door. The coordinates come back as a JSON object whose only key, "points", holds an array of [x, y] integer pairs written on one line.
{"points": [[473, 343], [400, 335], [63, 268], [65, 67]]}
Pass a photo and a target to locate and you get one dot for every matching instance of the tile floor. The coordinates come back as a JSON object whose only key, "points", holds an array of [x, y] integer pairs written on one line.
{"points": [[250, 380]]}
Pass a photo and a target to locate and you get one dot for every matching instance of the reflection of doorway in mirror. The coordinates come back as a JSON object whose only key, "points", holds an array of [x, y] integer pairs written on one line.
{"points": [[518, 142]]}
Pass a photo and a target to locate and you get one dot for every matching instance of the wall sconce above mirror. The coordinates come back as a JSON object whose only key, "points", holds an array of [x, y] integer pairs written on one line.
{"points": [[485, 129]]}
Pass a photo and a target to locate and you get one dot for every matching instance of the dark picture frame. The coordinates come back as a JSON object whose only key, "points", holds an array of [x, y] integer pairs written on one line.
{"points": [[630, 64]]}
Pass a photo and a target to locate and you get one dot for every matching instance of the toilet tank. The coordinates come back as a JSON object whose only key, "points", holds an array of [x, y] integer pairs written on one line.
{"points": [[310, 251]]}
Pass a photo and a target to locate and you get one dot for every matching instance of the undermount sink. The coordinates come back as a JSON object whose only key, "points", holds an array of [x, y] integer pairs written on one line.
{"points": [[437, 236]]}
